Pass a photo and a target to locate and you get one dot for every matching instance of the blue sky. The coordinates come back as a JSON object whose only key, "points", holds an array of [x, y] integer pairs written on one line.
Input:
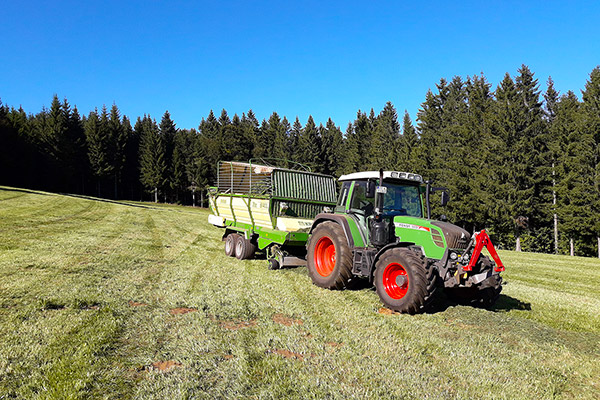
{"points": [[328, 59]]}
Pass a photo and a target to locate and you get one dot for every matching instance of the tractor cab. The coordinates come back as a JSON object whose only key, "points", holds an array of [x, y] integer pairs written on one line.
{"points": [[376, 198]]}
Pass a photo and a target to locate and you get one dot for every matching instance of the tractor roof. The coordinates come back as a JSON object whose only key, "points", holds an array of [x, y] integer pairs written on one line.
{"points": [[407, 176]]}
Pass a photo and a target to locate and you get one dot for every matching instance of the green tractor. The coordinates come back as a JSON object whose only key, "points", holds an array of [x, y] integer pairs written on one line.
{"points": [[381, 230], [378, 230]]}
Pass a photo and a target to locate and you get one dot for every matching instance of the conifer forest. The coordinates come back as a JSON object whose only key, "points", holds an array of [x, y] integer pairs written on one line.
{"points": [[522, 163]]}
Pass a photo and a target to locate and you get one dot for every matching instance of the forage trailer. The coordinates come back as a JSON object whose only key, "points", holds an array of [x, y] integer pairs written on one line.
{"points": [[378, 229]]}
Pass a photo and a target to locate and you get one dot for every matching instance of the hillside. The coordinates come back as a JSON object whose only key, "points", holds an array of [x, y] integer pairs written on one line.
{"points": [[132, 300]]}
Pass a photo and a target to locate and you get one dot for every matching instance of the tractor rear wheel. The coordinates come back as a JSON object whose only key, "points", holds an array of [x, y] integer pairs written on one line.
{"points": [[244, 248], [483, 295], [329, 259], [404, 281], [230, 242]]}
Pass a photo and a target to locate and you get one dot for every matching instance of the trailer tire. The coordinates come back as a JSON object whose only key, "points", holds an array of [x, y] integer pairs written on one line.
{"points": [[230, 242], [404, 281], [244, 248], [329, 258]]}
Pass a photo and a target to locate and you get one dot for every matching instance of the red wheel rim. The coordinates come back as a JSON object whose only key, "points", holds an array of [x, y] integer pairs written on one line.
{"points": [[325, 256], [395, 281]]}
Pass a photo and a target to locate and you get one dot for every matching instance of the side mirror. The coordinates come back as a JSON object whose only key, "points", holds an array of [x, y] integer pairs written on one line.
{"points": [[445, 198], [371, 189]]}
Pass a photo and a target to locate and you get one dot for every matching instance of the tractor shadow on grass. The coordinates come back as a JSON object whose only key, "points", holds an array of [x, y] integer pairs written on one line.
{"points": [[507, 303], [503, 304]]}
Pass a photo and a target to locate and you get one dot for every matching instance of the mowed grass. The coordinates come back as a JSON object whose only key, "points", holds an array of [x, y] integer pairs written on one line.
{"points": [[95, 294]]}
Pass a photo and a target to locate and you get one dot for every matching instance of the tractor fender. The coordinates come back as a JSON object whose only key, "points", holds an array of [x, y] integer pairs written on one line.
{"points": [[386, 248], [339, 219]]}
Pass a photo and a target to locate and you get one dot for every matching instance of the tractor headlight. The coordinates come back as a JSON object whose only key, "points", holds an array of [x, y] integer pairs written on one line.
{"points": [[453, 256]]}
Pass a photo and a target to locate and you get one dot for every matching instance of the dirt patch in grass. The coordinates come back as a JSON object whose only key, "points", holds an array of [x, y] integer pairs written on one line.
{"points": [[287, 354], [228, 356], [136, 304], [334, 344], [182, 310], [236, 324], [283, 319], [386, 311], [165, 366]]}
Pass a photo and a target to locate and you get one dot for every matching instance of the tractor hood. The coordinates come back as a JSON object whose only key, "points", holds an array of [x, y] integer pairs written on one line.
{"points": [[434, 236], [456, 237]]}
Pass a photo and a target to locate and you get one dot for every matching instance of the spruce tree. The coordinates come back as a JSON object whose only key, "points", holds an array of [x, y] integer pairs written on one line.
{"points": [[591, 113], [309, 146], [153, 168], [332, 149], [167, 132], [551, 98], [98, 144], [408, 151], [350, 161], [575, 173]]}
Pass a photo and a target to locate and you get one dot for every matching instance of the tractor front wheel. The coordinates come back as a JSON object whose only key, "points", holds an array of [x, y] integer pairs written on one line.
{"points": [[404, 281], [329, 259]]}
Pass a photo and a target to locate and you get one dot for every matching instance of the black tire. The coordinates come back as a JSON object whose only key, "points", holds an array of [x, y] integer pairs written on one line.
{"points": [[274, 264], [329, 258], [230, 242], [483, 295], [244, 249], [404, 281]]}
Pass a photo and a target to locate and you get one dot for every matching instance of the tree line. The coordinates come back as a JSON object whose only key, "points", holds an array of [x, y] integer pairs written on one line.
{"points": [[521, 163]]}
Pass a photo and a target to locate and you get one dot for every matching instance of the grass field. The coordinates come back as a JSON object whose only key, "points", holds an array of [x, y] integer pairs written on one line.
{"points": [[101, 299]]}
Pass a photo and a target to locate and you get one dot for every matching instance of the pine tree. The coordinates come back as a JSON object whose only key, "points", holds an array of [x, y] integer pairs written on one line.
{"points": [[98, 144], [131, 168], [294, 139], [383, 143], [198, 167], [351, 158], [575, 174], [309, 146], [408, 152], [551, 99], [152, 157], [332, 149], [210, 135], [591, 124], [167, 132], [117, 142], [522, 164], [236, 143]]}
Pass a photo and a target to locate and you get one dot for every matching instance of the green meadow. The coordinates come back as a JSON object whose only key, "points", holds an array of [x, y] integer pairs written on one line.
{"points": [[122, 300]]}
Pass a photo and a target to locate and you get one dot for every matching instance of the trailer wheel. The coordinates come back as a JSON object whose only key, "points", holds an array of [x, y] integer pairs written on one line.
{"points": [[230, 242], [244, 248], [329, 259], [404, 281]]}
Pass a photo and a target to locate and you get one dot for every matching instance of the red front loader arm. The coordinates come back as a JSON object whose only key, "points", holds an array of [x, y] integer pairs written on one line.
{"points": [[482, 239]]}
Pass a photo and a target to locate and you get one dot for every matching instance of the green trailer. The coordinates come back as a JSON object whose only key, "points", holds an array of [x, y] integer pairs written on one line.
{"points": [[268, 208]]}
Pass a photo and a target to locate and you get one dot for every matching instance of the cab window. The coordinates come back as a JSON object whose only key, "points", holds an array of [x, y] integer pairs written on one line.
{"points": [[360, 200]]}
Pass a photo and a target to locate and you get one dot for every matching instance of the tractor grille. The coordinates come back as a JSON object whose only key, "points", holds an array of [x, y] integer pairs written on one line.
{"points": [[437, 238], [456, 237]]}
